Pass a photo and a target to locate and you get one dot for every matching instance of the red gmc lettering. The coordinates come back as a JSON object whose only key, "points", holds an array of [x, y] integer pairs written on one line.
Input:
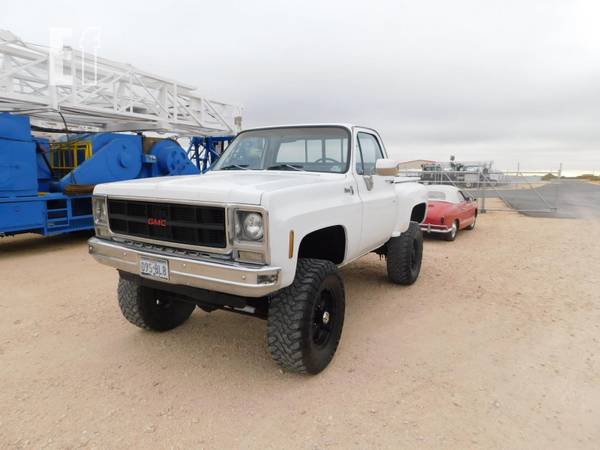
{"points": [[159, 222]]}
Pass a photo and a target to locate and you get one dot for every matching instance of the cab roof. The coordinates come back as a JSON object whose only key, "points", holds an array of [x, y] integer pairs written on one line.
{"points": [[348, 126]]}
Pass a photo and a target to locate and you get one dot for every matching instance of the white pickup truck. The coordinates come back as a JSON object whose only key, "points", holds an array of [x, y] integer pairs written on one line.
{"points": [[263, 233]]}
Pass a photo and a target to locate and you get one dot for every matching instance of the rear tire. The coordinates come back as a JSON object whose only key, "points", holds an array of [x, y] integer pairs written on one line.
{"points": [[151, 309], [306, 318], [404, 255], [472, 226], [451, 235]]}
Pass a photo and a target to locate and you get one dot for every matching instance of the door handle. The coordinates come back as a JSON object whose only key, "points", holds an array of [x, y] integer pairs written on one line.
{"points": [[390, 181], [348, 189]]}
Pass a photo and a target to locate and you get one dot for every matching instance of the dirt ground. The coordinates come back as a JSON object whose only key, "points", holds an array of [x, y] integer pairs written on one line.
{"points": [[496, 346]]}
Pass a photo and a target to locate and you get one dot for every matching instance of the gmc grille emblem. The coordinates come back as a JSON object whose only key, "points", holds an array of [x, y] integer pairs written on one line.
{"points": [[157, 222]]}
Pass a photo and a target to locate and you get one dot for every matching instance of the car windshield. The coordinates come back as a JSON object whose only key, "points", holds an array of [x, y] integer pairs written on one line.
{"points": [[310, 149]]}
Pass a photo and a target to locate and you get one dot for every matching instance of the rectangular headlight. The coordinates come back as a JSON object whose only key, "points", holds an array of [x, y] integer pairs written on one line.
{"points": [[249, 226], [99, 210]]}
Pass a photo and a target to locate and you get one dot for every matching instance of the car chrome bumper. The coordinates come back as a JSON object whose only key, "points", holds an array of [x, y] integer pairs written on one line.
{"points": [[429, 228], [230, 278]]}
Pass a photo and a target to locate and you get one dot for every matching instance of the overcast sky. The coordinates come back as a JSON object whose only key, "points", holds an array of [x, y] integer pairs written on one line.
{"points": [[504, 80]]}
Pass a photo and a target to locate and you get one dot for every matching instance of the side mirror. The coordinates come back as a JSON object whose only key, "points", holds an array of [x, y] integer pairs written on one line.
{"points": [[386, 167]]}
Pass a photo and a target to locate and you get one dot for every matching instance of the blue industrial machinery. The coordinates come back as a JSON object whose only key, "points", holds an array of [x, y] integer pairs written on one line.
{"points": [[205, 150], [46, 187]]}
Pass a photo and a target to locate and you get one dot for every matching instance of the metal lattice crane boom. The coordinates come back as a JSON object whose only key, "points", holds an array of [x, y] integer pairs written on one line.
{"points": [[103, 95]]}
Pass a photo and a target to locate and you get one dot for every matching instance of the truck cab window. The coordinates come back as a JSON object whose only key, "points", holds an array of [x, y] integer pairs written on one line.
{"points": [[369, 151]]}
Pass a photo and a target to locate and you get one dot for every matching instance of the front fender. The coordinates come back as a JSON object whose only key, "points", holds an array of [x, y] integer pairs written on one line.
{"points": [[410, 194], [297, 210]]}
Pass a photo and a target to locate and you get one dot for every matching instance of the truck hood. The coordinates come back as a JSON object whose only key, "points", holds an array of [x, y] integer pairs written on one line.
{"points": [[231, 186]]}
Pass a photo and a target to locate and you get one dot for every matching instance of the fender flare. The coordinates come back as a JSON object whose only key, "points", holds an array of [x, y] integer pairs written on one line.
{"points": [[410, 195]]}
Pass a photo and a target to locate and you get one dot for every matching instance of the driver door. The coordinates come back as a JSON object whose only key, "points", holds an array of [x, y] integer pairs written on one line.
{"points": [[376, 192], [467, 209]]}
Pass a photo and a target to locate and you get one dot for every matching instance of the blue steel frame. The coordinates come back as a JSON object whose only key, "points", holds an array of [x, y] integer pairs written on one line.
{"points": [[204, 150], [48, 214]]}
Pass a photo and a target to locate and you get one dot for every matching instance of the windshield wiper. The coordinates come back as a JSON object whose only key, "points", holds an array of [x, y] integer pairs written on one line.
{"points": [[235, 166], [286, 166]]}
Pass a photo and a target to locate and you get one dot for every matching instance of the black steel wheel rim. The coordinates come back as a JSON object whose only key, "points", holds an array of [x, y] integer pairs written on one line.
{"points": [[162, 302], [323, 318]]}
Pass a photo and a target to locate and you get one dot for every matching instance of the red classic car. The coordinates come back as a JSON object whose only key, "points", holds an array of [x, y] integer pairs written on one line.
{"points": [[448, 210]]}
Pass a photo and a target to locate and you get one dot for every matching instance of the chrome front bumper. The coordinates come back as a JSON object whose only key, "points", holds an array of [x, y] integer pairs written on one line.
{"points": [[428, 228], [230, 278]]}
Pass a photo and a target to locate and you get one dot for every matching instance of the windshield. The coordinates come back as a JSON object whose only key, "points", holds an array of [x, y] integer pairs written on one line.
{"points": [[311, 149]]}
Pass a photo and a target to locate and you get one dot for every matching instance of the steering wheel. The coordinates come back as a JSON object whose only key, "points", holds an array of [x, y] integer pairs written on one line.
{"points": [[326, 159]]}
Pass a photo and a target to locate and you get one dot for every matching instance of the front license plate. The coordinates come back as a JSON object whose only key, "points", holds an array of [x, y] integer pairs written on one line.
{"points": [[157, 268]]}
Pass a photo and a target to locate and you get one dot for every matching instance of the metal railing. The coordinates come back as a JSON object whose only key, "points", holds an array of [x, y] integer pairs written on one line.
{"points": [[527, 192], [66, 156]]}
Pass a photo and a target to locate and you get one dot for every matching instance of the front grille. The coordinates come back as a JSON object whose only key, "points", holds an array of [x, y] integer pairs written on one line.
{"points": [[183, 224]]}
